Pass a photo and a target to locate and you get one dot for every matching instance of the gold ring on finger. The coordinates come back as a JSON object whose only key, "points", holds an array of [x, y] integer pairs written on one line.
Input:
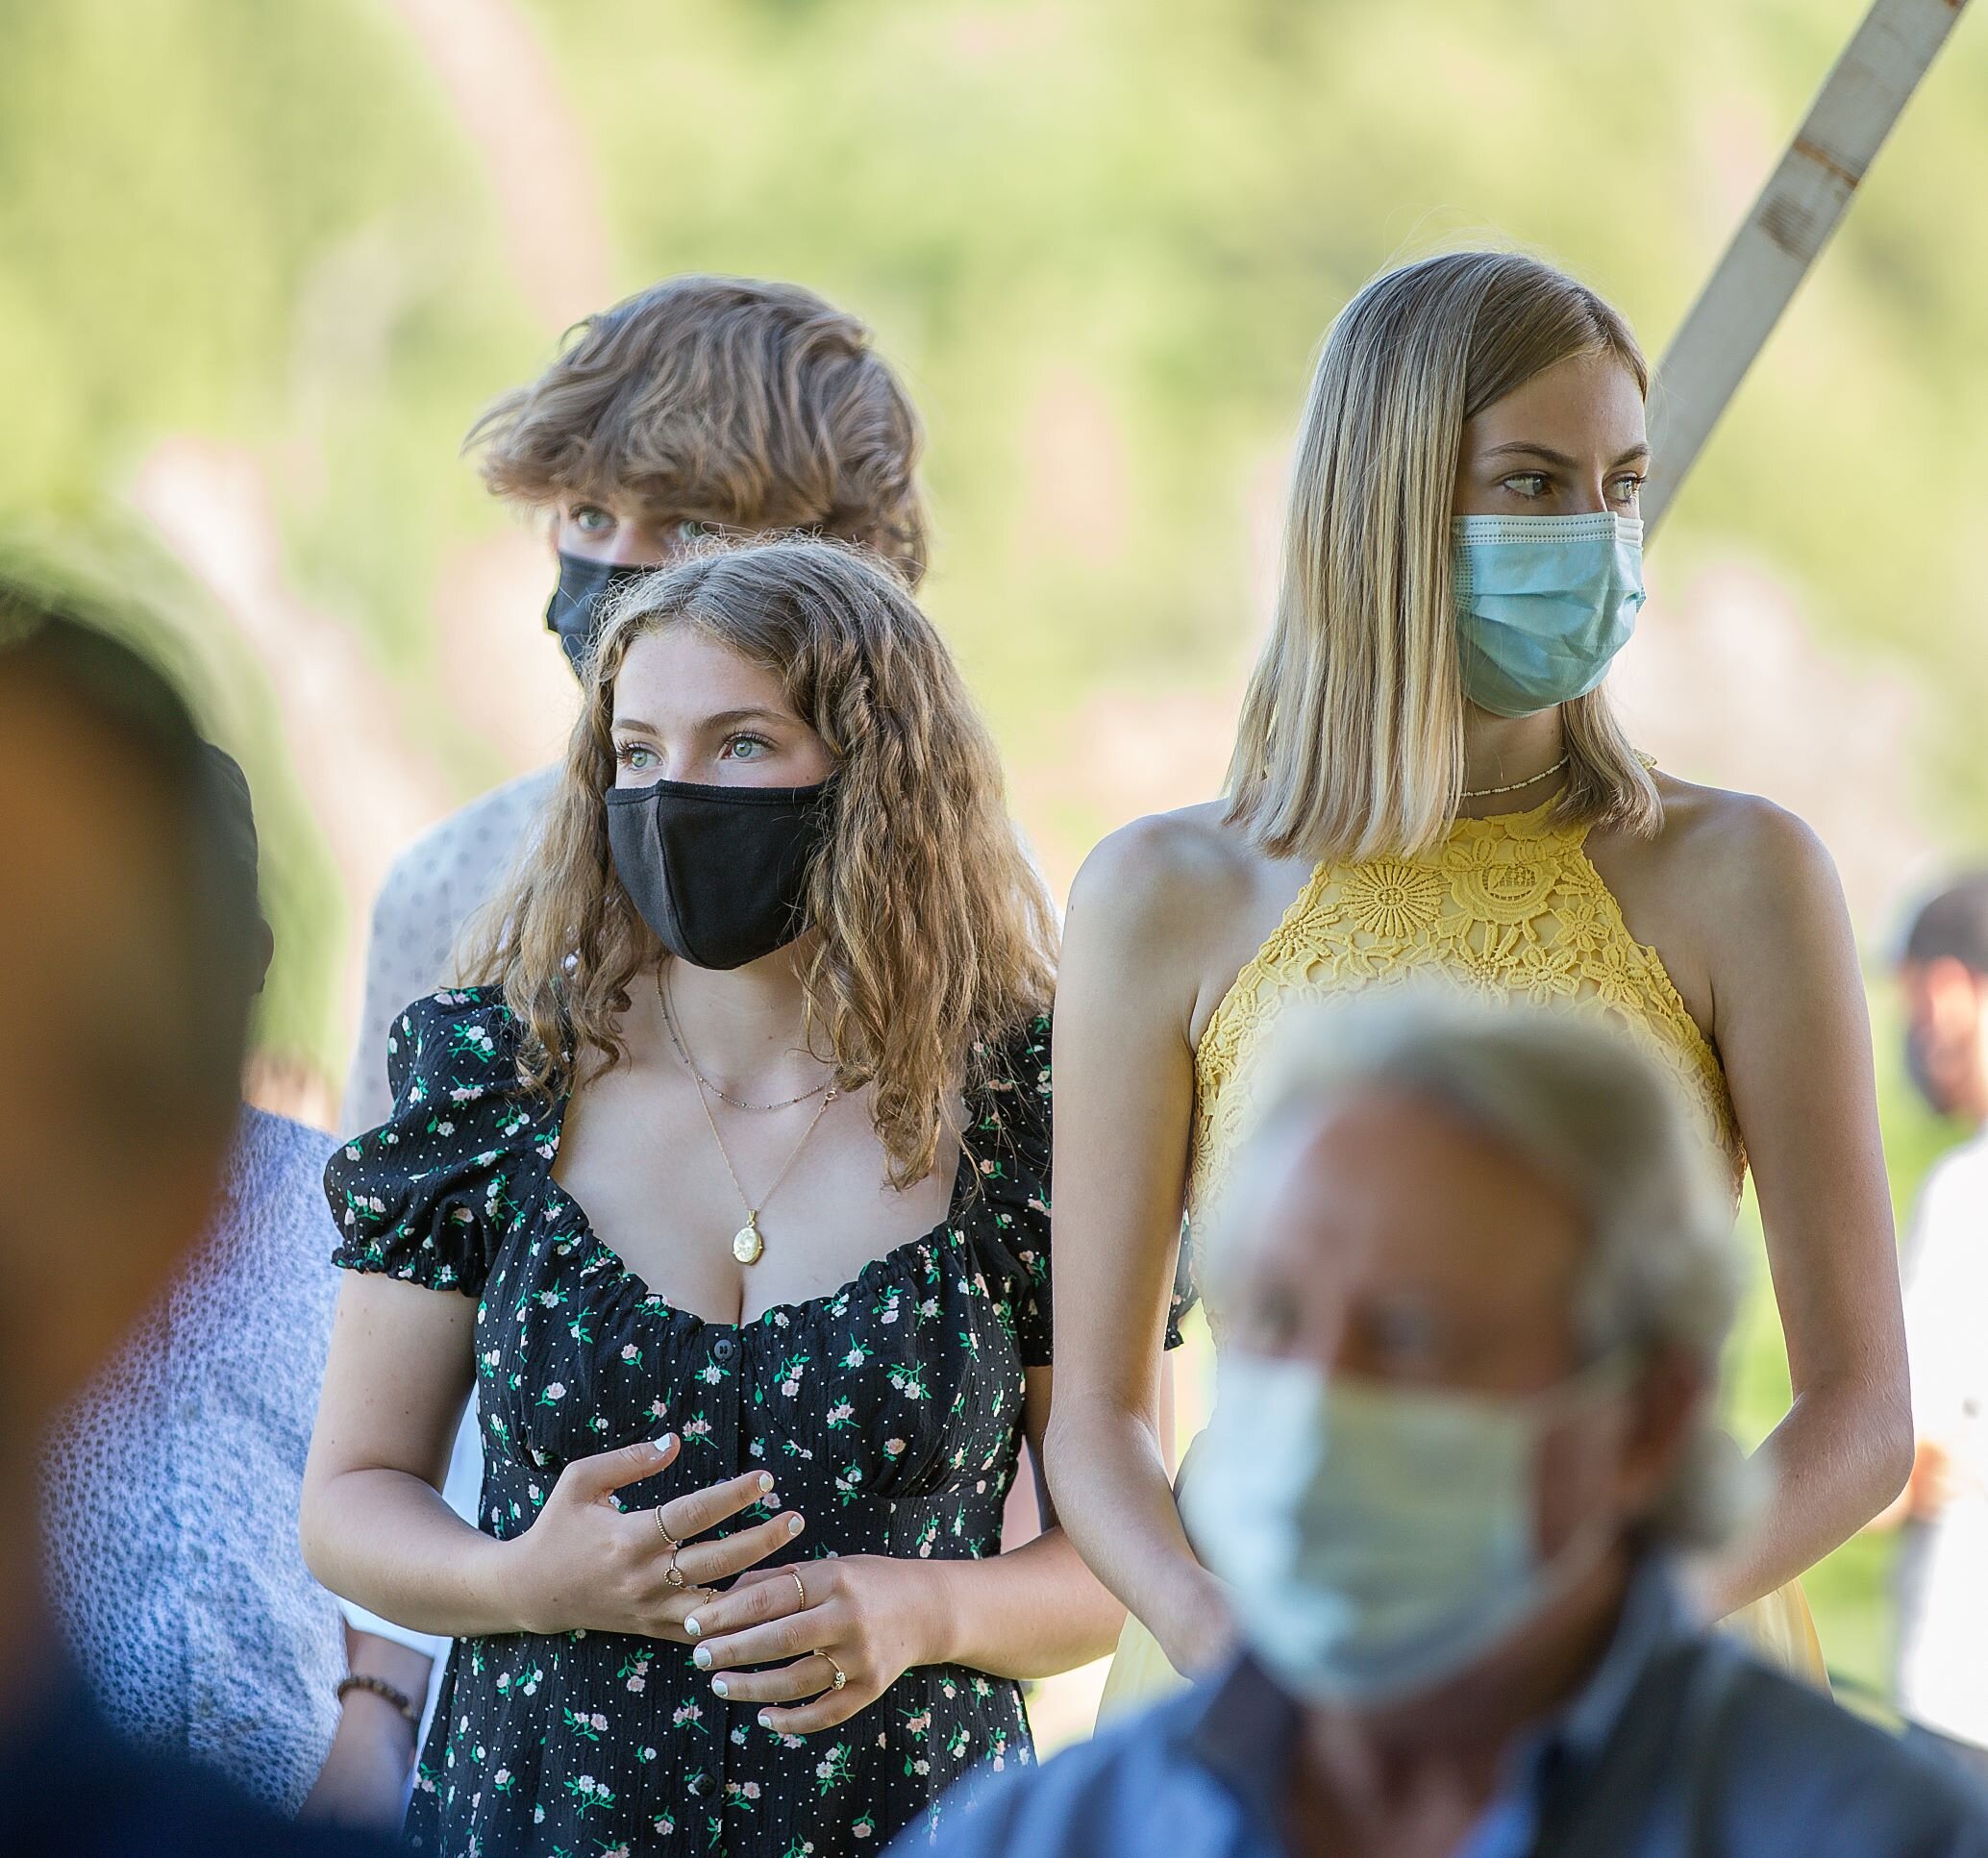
{"points": [[662, 1530], [842, 1675], [673, 1573], [799, 1587]]}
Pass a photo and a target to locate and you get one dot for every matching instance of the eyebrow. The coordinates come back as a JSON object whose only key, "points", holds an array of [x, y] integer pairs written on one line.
{"points": [[1560, 459], [723, 719]]}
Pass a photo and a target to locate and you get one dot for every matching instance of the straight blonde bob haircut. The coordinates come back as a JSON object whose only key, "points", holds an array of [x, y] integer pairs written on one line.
{"points": [[1350, 743], [931, 939]]}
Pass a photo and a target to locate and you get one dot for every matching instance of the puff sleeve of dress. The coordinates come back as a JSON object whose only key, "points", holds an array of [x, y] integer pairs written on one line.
{"points": [[1012, 1143], [1009, 1142], [428, 1195]]}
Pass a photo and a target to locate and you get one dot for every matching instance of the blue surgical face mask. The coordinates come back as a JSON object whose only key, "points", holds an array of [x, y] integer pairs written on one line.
{"points": [[1378, 1540], [1543, 605]]}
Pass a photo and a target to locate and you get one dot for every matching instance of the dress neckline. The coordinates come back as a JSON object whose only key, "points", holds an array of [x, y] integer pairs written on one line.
{"points": [[965, 1182], [1534, 827]]}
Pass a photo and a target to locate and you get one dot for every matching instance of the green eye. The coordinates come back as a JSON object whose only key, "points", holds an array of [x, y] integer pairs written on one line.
{"points": [[689, 529], [1528, 484], [591, 519]]}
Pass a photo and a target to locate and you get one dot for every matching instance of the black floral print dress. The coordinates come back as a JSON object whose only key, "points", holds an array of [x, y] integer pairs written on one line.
{"points": [[890, 1412]]}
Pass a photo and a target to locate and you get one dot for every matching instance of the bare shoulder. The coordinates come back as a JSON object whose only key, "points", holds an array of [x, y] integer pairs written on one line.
{"points": [[1154, 882], [1739, 851]]}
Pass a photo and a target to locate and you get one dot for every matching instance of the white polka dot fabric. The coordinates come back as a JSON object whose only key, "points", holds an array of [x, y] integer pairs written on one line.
{"points": [[171, 1490], [435, 885]]}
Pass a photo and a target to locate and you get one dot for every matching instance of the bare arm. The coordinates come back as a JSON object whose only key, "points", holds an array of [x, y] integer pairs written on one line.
{"points": [[365, 1777], [1125, 1100], [375, 1528], [1029, 1613], [1033, 1612], [1795, 1039]]}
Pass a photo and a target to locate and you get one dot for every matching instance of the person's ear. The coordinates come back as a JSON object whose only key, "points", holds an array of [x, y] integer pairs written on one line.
{"points": [[1663, 1411]]}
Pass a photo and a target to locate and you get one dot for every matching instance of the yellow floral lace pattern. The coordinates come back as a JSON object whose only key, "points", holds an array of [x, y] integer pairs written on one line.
{"points": [[1510, 907]]}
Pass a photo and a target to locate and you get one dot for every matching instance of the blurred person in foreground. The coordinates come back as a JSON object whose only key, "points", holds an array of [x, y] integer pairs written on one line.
{"points": [[1942, 1675], [172, 1483], [127, 929], [701, 406], [1479, 1277]]}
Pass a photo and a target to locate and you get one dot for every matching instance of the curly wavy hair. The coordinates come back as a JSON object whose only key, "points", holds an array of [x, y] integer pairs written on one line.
{"points": [[931, 939], [727, 400]]}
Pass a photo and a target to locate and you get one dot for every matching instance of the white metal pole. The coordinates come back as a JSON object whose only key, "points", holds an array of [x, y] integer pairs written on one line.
{"points": [[1790, 223]]}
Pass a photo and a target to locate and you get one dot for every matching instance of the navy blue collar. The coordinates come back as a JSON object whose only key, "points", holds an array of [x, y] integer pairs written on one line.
{"points": [[1243, 1727]]}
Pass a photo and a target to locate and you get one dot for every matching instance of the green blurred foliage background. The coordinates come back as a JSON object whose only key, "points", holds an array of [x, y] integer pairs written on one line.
{"points": [[1101, 238]]}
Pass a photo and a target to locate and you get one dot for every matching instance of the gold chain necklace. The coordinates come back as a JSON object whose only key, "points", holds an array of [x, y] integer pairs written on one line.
{"points": [[669, 1021], [1513, 787], [748, 1242]]}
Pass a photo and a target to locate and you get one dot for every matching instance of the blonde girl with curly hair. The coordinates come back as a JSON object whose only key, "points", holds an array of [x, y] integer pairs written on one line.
{"points": [[727, 1187]]}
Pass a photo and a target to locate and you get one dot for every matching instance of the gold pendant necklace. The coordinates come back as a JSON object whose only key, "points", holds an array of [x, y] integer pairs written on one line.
{"points": [[748, 1242]]}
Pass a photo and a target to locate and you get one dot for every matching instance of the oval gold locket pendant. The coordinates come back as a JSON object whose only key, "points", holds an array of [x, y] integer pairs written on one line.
{"points": [[747, 1244]]}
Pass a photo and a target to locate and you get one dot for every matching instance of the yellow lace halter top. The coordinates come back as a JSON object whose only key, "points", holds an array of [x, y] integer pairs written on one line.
{"points": [[1509, 906]]}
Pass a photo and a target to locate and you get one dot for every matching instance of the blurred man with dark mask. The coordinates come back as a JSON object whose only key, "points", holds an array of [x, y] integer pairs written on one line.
{"points": [[703, 406], [125, 924]]}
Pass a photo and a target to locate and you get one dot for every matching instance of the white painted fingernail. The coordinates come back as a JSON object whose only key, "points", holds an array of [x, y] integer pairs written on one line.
{"points": [[702, 1657], [766, 1480], [766, 1719], [718, 1685], [691, 1626], [794, 1526]]}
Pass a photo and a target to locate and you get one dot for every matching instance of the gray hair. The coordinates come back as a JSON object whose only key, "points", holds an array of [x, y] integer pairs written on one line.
{"points": [[1580, 1105]]}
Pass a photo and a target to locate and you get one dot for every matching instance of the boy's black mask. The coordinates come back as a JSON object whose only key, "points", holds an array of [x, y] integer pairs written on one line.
{"points": [[579, 603]]}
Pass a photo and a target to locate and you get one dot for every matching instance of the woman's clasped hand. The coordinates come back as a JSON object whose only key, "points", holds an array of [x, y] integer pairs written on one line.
{"points": [[847, 1629], [589, 1565], [831, 1636]]}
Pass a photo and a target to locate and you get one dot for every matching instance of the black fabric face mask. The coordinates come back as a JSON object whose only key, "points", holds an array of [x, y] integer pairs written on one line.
{"points": [[720, 874], [580, 602]]}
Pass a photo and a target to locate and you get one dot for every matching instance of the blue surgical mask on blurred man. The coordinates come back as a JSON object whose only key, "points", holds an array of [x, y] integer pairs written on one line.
{"points": [[1380, 1539], [1543, 605]]}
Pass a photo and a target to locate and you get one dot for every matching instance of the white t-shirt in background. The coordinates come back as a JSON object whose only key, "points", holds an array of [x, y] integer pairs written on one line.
{"points": [[1943, 1626]]}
